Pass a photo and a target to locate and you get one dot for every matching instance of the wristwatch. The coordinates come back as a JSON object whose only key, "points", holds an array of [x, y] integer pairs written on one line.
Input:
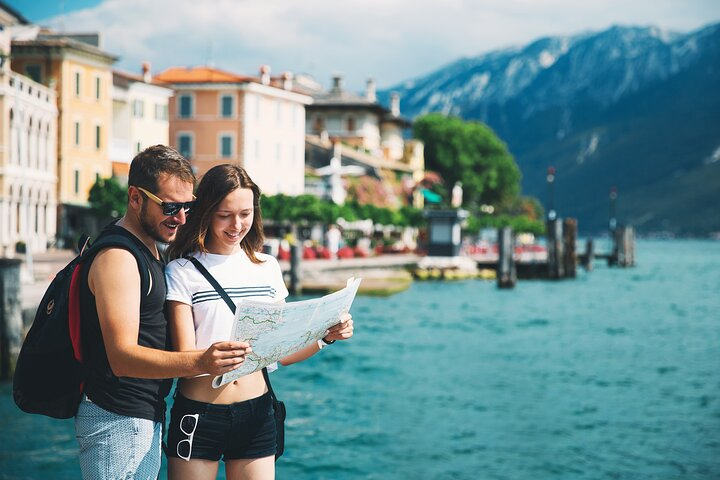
{"points": [[324, 343]]}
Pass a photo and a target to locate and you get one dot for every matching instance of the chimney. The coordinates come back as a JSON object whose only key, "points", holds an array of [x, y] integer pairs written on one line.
{"points": [[287, 80], [370, 91], [395, 104], [265, 74], [147, 76], [337, 84]]}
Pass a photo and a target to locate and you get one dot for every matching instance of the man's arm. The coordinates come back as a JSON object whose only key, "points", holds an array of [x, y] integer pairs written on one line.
{"points": [[115, 281]]}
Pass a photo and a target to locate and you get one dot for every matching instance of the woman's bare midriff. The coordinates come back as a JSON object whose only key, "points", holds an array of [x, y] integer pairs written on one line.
{"points": [[244, 388]]}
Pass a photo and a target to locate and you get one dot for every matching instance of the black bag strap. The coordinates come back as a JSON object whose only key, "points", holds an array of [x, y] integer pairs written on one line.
{"points": [[121, 241], [216, 285], [220, 290]]}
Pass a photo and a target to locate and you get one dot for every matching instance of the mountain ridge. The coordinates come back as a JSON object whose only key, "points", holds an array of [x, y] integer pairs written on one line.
{"points": [[630, 107]]}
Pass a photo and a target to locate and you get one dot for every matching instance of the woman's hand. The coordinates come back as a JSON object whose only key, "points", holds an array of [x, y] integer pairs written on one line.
{"points": [[342, 330]]}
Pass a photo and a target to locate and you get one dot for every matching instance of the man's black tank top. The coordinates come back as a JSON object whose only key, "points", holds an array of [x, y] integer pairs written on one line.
{"points": [[132, 397]]}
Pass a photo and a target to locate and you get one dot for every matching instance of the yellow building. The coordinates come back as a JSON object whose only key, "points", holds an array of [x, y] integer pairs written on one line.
{"points": [[81, 75]]}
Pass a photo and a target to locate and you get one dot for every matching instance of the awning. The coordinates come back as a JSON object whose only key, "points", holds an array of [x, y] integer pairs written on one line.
{"points": [[431, 196]]}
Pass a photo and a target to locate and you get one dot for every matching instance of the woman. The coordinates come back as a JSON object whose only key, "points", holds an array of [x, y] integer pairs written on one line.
{"points": [[234, 422]]}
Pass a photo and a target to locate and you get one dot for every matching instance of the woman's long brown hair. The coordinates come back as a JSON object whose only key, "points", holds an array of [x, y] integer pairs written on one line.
{"points": [[214, 186]]}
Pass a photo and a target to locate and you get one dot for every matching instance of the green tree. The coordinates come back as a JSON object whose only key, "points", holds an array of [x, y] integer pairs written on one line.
{"points": [[108, 198], [471, 153], [307, 208]]}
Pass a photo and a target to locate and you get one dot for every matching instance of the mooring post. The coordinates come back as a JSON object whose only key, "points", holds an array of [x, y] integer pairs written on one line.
{"points": [[506, 272], [569, 238], [556, 268], [589, 256], [613, 228], [296, 252], [625, 240], [11, 325]]}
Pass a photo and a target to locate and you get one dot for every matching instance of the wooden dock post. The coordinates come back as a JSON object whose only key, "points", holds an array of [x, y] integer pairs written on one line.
{"points": [[11, 324], [589, 256], [569, 256], [556, 268], [296, 254], [625, 241], [506, 272]]}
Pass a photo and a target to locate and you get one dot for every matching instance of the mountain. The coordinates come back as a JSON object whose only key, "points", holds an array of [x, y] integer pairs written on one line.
{"points": [[629, 107]]}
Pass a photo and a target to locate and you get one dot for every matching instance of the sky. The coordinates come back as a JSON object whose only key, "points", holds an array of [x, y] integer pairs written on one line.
{"points": [[388, 40]]}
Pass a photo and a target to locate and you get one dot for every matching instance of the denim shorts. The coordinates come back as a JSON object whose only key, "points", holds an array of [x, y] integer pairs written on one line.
{"points": [[210, 432], [116, 446]]}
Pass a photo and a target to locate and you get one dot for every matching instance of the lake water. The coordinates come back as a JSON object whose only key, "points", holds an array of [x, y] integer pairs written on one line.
{"points": [[614, 375]]}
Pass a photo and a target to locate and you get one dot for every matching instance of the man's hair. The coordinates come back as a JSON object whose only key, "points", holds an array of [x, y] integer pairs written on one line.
{"points": [[149, 165], [214, 186]]}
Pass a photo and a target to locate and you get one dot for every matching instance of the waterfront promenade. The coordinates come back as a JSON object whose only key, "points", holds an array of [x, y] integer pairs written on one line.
{"points": [[381, 274]]}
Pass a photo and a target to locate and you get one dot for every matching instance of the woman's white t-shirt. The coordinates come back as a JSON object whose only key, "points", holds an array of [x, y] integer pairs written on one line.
{"points": [[241, 279]]}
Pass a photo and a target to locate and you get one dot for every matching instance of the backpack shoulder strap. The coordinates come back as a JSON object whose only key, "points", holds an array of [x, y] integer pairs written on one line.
{"points": [[121, 241]]}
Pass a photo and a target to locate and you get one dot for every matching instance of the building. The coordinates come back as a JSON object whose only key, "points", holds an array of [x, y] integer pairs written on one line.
{"points": [[28, 162], [79, 71], [221, 117], [140, 117], [372, 135]]}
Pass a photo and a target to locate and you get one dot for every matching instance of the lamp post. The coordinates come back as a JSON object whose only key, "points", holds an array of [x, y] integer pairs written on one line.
{"points": [[551, 193], [612, 220]]}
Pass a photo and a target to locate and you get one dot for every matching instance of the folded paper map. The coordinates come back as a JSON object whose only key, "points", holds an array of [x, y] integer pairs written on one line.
{"points": [[276, 330]]}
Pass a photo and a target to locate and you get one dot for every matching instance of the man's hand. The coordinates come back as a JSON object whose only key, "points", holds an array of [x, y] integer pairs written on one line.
{"points": [[222, 357], [342, 330]]}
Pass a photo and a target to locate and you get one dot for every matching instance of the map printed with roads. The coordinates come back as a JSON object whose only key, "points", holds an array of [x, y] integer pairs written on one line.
{"points": [[276, 330]]}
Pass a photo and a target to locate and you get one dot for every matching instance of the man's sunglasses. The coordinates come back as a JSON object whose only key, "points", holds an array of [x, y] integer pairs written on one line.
{"points": [[169, 209]]}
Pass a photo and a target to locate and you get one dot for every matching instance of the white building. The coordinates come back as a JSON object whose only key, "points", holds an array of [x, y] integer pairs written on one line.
{"points": [[359, 121], [140, 117], [28, 160]]}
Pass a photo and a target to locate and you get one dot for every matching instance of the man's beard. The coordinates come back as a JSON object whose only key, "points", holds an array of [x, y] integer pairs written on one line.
{"points": [[150, 229]]}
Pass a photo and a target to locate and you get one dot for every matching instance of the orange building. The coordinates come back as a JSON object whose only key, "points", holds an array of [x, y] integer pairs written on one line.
{"points": [[221, 117]]}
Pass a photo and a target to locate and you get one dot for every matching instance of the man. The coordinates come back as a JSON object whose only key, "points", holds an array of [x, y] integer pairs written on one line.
{"points": [[124, 331]]}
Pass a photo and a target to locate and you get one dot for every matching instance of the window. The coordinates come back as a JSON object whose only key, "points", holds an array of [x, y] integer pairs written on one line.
{"points": [[186, 106], [185, 145], [98, 137], [226, 106], [226, 149], [257, 108], [97, 88], [34, 72], [279, 107], [77, 134], [77, 84], [351, 124], [138, 147], [138, 108], [77, 181], [161, 112]]}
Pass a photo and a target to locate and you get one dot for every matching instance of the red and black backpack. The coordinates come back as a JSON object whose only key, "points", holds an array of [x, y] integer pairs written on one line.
{"points": [[49, 374]]}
